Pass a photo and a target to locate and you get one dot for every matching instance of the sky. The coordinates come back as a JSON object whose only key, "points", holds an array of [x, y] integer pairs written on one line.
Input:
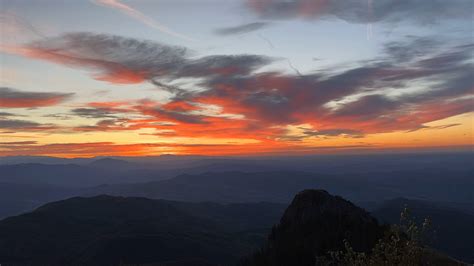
{"points": [[84, 78]]}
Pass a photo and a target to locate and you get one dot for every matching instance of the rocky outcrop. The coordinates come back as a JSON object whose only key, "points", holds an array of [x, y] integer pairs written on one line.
{"points": [[314, 224]]}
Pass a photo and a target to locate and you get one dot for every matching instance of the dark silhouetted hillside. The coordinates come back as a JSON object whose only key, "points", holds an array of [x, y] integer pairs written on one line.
{"points": [[107, 230]]}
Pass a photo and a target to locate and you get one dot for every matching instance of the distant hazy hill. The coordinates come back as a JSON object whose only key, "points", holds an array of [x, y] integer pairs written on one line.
{"points": [[387, 171], [454, 229], [280, 186], [103, 171], [107, 230], [109, 163], [453, 187], [20, 198], [50, 174]]}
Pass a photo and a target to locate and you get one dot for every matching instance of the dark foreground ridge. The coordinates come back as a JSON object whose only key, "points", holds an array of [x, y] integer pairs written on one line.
{"points": [[107, 230]]}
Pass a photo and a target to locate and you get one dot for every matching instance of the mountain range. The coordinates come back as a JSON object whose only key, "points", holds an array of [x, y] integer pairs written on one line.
{"points": [[214, 189], [110, 230]]}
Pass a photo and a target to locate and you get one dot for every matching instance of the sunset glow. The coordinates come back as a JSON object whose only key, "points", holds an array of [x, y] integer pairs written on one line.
{"points": [[231, 78]]}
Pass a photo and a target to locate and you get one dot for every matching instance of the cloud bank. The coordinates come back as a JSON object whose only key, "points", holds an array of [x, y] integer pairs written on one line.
{"points": [[239, 100]]}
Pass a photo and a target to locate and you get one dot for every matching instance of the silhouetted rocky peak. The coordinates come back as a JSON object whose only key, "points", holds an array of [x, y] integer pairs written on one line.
{"points": [[311, 206], [314, 224]]}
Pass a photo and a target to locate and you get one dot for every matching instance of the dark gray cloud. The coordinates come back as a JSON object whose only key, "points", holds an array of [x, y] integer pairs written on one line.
{"points": [[175, 90], [181, 117], [113, 58], [223, 65], [28, 142], [58, 116], [24, 125], [334, 133], [126, 60], [363, 11], [92, 112], [12, 124], [245, 28], [174, 115], [368, 107], [106, 125], [412, 47], [13, 98], [434, 127], [6, 114]]}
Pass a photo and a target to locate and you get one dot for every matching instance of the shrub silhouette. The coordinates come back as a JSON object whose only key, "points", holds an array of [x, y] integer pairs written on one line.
{"points": [[403, 244]]}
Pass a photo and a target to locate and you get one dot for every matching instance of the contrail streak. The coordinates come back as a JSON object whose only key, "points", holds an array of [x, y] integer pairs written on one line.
{"points": [[294, 68], [369, 24], [129, 11], [12, 25], [266, 40]]}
